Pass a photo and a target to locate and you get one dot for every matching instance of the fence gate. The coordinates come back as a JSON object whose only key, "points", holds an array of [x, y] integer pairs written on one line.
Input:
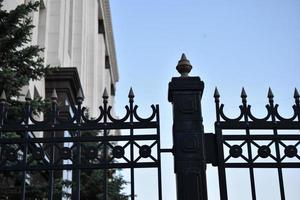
{"points": [[33, 152], [54, 145], [269, 142]]}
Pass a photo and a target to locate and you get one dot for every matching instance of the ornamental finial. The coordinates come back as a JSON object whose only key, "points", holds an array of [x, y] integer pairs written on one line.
{"points": [[79, 96], [216, 93], [184, 66], [131, 94], [296, 94], [3, 96], [243, 93], [105, 94], [54, 95], [36, 94], [270, 93], [28, 95]]}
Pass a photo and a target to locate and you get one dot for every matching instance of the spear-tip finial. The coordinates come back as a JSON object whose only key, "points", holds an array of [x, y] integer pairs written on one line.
{"points": [[243, 93], [131, 94], [216, 93], [270, 93], [36, 94], [54, 95], [79, 96], [28, 95], [296, 94], [184, 66], [3, 96], [105, 94]]}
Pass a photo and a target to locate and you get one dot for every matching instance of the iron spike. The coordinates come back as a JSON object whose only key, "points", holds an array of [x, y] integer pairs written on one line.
{"points": [[243, 93], [28, 95], [216, 93], [54, 95], [79, 94], [131, 94], [296, 94], [3, 96], [36, 94], [270, 93], [105, 94]]}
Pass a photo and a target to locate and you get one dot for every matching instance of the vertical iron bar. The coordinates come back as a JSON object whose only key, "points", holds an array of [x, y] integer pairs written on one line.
{"points": [[277, 149], [131, 100], [52, 136], [51, 172], [25, 147], [251, 171], [220, 150], [78, 161], [2, 118], [158, 155], [78, 171], [105, 171], [221, 163]]}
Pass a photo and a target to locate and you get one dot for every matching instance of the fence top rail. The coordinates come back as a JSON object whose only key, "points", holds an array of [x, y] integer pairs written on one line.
{"points": [[246, 115], [58, 117]]}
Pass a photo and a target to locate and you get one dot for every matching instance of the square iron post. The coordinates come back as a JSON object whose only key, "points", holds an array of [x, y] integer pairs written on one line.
{"points": [[185, 94]]}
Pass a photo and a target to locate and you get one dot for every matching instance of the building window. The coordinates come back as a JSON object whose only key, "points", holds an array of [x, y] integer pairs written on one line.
{"points": [[107, 63], [101, 29]]}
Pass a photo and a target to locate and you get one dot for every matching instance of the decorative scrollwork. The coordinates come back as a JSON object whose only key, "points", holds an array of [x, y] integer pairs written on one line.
{"points": [[221, 113], [110, 117], [246, 114], [144, 119]]}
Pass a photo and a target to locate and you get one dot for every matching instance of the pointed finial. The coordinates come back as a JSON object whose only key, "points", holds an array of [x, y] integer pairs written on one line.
{"points": [[243, 93], [28, 96], [131, 94], [36, 94], [79, 96], [216, 93], [54, 95], [105, 94], [296, 94], [270, 93], [3, 96], [184, 66]]}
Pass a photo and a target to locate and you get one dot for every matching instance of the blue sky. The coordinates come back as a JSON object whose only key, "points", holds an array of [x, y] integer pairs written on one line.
{"points": [[230, 43]]}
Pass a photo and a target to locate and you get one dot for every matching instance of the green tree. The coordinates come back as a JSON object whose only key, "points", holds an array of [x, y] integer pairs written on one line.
{"points": [[20, 62]]}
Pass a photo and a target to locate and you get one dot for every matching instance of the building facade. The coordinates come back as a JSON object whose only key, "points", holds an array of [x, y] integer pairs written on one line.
{"points": [[77, 37]]}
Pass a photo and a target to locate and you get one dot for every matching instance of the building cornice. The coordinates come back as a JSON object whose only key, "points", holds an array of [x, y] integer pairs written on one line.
{"points": [[110, 40]]}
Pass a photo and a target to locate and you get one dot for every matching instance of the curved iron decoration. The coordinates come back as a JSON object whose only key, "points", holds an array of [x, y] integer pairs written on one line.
{"points": [[98, 119], [111, 118], [221, 113], [154, 111], [266, 118], [279, 117]]}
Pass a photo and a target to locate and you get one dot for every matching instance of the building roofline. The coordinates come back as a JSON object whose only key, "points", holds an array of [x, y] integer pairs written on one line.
{"points": [[110, 41]]}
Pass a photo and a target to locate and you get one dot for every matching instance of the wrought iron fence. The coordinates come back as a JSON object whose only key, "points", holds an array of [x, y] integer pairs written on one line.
{"points": [[56, 143], [243, 143]]}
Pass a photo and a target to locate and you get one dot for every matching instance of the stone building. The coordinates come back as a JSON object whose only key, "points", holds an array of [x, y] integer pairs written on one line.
{"points": [[78, 38]]}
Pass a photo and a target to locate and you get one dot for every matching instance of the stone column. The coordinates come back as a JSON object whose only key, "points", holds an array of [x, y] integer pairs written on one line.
{"points": [[185, 94]]}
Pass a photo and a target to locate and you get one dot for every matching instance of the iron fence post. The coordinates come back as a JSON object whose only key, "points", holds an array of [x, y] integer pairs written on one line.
{"points": [[185, 94]]}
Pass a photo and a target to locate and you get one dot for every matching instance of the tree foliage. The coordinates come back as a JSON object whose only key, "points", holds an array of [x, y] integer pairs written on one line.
{"points": [[20, 62]]}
